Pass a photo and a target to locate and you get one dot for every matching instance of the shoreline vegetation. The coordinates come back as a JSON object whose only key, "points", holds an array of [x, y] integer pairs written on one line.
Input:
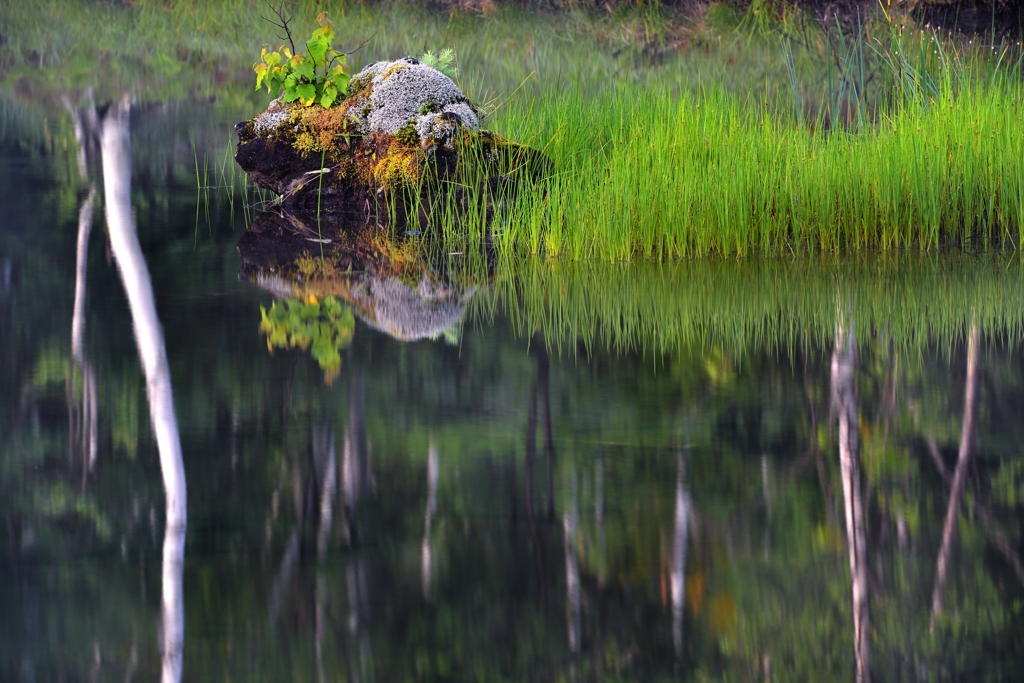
{"points": [[763, 130]]}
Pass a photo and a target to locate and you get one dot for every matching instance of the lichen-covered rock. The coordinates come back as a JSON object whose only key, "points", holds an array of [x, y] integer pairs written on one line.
{"points": [[390, 96], [404, 132]]}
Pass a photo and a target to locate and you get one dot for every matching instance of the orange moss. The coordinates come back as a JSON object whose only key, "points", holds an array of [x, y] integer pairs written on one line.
{"points": [[398, 165], [321, 130]]}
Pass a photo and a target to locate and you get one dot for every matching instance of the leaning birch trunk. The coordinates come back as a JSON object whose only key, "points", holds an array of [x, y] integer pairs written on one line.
{"points": [[844, 403], [957, 488], [124, 242]]}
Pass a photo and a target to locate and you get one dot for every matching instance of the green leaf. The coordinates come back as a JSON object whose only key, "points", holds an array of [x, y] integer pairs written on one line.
{"points": [[340, 82], [317, 47], [305, 70], [330, 94], [261, 73], [306, 92]]}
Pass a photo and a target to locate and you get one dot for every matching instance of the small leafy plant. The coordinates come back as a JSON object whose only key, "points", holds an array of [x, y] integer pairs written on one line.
{"points": [[324, 327], [320, 76], [444, 61]]}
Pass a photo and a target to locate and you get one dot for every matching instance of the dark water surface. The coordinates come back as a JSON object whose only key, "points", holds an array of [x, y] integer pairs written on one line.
{"points": [[517, 495]]}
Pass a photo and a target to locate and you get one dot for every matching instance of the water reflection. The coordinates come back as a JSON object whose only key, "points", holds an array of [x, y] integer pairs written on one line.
{"points": [[85, 426], [131, 264], [522, 505], [392, 286], [570, 526], [957, 485], [679, 537], [844, 404], [433, 473]]}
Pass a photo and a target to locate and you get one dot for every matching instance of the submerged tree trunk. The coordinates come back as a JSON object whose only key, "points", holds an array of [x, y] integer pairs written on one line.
{"points": [[131, 264], [957, 488], [844, 403]]}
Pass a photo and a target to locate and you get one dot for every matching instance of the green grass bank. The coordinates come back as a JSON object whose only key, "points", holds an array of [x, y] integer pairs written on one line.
{"points": [[643, 173], [764, 133]]}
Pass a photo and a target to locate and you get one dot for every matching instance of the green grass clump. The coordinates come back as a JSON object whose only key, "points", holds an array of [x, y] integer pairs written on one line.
{"points": [[645, 174]]}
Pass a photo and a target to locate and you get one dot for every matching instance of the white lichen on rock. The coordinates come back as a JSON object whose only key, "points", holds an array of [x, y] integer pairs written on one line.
{"points": [[406, 92], [268, 122]]}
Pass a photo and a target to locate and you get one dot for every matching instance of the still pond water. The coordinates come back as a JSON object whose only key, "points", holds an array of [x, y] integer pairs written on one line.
{"points": [[552, 472]]}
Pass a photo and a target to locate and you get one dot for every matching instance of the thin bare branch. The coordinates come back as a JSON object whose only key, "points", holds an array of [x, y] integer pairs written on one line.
{"points": [[283, 25], [362, 44]]}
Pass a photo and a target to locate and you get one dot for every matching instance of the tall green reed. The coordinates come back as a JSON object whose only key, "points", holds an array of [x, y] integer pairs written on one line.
{"points": [[647, 173]]}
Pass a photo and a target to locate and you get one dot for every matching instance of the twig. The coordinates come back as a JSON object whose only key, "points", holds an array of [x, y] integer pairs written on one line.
{"points": [[279, 11], [362, 44], [352, 52]]}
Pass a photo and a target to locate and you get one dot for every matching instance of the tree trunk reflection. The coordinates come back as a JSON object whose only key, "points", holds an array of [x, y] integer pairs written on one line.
{"points": [[679, 537], [84, 432], [570, 526], [844, 404], [427, 551], [959, 475], [117, 171]]}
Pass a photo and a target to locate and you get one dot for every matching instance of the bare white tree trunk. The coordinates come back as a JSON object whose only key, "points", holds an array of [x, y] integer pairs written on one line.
{"points": [[844, 403], [959, 475], [117, 174]]}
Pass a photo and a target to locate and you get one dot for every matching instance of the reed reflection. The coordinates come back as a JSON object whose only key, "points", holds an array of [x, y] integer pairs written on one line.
{"points": [[115, 148]]}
